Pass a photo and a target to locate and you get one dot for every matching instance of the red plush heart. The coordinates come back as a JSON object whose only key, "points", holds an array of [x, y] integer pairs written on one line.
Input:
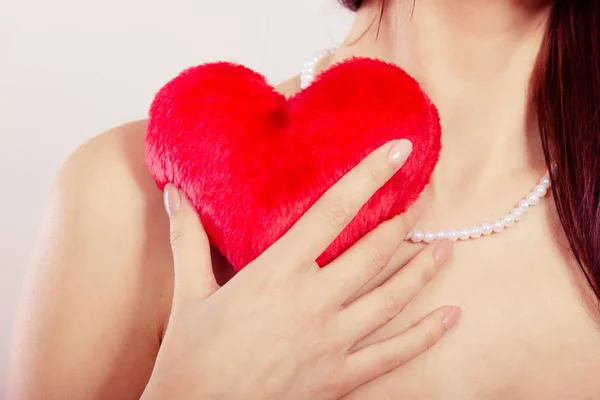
{"points": [[252, 162]]}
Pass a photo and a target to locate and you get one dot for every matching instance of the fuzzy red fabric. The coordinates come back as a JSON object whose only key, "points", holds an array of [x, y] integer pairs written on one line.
{"points": [[252, 162]]}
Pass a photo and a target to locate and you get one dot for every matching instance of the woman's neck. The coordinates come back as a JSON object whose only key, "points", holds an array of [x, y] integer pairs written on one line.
{"points": [[474, 59]]}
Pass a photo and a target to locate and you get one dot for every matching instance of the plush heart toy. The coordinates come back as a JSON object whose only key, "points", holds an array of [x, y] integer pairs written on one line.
{"points": [[252, 162]]}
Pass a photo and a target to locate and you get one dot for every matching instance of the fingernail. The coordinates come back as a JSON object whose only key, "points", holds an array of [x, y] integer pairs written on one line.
{"points": [[399, 152], [451, 317], [172, 199], [442, 251]]}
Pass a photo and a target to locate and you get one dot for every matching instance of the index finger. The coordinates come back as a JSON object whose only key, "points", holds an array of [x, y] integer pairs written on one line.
{"points": [[326, 219]]}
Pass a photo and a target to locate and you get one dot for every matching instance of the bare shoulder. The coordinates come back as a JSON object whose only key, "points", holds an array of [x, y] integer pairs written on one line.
{"points": [[114, 158], [99, 285], [106, 185], [119, 149]]}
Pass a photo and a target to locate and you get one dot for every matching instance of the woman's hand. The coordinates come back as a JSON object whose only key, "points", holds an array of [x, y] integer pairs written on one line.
{"points": [[283, 328]]}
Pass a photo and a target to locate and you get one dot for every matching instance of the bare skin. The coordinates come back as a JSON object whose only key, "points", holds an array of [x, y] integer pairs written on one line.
{"points": [[533, 330], [528, 330], [91, 329]]}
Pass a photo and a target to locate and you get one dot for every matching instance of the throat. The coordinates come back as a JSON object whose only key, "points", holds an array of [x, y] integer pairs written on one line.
{"points": [[474, 59]]}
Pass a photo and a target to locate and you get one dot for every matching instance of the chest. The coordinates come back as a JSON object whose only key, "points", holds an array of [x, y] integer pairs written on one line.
{"points": [[525, 332]]}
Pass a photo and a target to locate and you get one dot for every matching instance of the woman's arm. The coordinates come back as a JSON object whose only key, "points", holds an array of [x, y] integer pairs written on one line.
{"points": [[99, 287]]}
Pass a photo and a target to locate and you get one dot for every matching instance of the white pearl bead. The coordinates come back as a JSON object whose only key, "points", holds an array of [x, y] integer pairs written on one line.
{"points": [[541, 190], [498, 226], [517, 214], [464, 234], [508, 220], [487, 229], [476, 232], [417, 236], [429, 237], [533, 199], [525, 205]]}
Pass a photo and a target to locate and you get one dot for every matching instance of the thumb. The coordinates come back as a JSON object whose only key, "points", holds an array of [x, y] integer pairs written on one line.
{"points": [[194, 276]]}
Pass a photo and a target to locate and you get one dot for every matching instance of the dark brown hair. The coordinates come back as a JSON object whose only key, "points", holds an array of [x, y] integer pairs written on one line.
{"points": [[565, 91]]}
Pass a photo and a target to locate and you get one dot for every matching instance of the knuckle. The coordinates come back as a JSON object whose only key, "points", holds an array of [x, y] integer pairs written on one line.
{"points": [[176, 238], [338, 211], [376, 261], [430, 338], [394, 361], [392, 306], [378, 174]]}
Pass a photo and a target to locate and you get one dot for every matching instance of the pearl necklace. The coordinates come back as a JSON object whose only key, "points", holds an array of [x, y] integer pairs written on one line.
{"points": [[417, 236], [308, 72]]}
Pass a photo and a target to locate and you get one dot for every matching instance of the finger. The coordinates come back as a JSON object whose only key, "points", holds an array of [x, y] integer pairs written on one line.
{"points": [[383, 357], [194, 275], [403, 254], [401, 257], [365, 259], [324, 221], [384, 303]]}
